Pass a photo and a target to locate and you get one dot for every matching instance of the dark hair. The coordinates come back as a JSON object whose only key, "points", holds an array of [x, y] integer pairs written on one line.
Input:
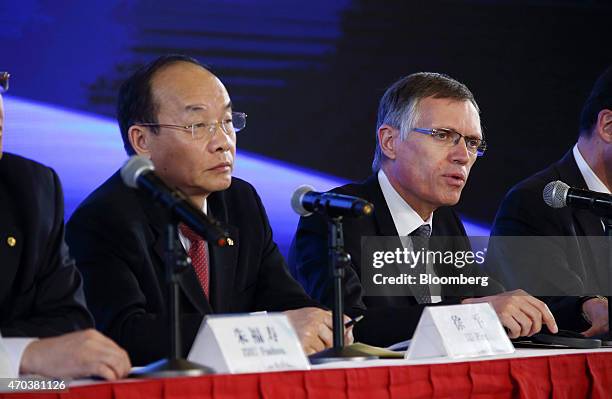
{"points": [[135, 102], [399, 105], [600, 98]]}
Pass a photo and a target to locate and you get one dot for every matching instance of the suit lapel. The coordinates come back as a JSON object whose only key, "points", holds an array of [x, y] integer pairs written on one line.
{"points": [[384, 221], [223, 260], [188, 280], [11, 244], [385, 226], [586, 222]]}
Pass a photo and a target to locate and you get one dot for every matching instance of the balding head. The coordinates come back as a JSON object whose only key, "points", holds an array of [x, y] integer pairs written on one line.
{"points": [[136, 102]]}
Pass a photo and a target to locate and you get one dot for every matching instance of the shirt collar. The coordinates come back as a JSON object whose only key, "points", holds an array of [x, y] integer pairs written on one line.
{"points": [[184, 240], [405, 218], [593, 182]]}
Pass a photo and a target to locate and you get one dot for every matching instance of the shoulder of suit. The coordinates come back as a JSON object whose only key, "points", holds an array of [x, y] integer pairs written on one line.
{"points": [[356, 189], [12, 161], [239, 185], [445, 211], [535, 183], [533, 186], [239, 193], [21, 173], [111, 196], [239, 189]]}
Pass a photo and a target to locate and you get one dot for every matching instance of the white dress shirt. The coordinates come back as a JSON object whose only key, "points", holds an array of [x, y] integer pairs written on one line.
{"points": [[185, 241], [593, 182], [14, 348], [406, 219]]}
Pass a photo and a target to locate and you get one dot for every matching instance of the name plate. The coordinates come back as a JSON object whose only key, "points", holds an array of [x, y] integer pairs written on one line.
{"points": [[248, 343], [459, 331]]}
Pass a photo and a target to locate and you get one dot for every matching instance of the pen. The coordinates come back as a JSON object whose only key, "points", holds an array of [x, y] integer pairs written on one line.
{"points": [[352, 322]]}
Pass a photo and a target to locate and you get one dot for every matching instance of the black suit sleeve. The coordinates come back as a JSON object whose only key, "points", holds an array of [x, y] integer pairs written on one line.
{"points": [[48, 282], [539, 265], [125, 289]]}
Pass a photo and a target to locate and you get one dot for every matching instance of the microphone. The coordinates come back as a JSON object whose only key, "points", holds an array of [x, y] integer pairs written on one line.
{"points": [[559, 195], [138, 172], [305, 201]]}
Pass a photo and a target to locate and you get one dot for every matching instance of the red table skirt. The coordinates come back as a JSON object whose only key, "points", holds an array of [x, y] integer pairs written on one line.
{"points": [[586, 375]]}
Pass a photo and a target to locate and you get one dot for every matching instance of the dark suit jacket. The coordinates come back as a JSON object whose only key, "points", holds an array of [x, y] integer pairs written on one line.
{"points": [[388, 319], [117, 234], [41, 291], [559, 264]]}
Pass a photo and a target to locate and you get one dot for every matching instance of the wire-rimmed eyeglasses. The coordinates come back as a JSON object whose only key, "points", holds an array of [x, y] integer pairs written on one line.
{"points": [[450, 137], [200, 130]]}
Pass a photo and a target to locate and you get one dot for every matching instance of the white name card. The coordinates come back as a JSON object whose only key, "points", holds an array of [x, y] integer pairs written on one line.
{"points": [[459, 331], [248, 343]]}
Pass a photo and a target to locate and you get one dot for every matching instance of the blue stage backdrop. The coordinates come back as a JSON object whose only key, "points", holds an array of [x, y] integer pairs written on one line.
{"points": [[309, 74]]}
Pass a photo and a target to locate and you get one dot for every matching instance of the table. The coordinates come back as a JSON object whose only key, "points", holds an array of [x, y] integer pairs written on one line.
{"points": [[530, 374]]}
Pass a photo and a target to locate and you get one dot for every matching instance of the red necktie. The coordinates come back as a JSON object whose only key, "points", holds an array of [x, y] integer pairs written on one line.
{"points": [[198, 255]]}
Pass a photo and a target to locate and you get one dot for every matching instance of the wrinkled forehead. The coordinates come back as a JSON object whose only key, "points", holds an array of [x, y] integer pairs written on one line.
{"points": [[457, 114]]}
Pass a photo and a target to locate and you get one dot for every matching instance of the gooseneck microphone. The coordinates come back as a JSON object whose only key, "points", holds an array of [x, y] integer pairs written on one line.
{"points": [[139, 172], [305, 201], [557, 194]]}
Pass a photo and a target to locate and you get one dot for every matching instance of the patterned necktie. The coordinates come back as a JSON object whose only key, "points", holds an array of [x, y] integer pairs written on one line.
{"points": [[420, 238], [199, 256]]}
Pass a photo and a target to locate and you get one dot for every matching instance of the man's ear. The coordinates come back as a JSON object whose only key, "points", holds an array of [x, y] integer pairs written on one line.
{"points": [[603, 126], [386, 138], [139, 139]]}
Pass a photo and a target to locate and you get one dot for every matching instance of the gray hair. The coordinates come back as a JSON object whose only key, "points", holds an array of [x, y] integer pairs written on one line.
{"points": [[399, 106]]}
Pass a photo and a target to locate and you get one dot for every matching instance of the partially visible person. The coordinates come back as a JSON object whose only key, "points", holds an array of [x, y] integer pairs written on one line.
{"points": [[567, 269], [177, 113], [428, 138], [41, 297]]}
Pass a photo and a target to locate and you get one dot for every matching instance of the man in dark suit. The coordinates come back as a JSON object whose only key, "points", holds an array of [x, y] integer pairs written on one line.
{"points": [[565, 262], [41, 291], [180, 115], [428, 138]]}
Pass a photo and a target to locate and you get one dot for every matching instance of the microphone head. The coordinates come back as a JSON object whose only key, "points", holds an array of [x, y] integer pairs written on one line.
{"points": [[133, 168], [296, 200], [555, 194]]}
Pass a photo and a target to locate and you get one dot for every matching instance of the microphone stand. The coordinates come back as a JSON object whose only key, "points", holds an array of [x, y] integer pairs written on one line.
{"points": [[339, 259], [175, 261]]}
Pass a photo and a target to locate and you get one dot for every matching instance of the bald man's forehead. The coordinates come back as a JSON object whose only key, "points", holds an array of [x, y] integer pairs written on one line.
{"points": [[188, 93]]}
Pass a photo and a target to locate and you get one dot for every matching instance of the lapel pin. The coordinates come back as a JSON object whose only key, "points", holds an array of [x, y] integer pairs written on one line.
{"points": [[11, 241], [230, 242]]}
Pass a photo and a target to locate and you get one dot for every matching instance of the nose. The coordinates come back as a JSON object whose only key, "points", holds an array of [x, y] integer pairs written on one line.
{"points": [[459, 153], [220, 140]]}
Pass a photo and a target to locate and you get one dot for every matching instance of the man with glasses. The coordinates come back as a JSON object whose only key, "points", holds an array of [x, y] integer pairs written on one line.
{"points": [[179, 114], [41, 295], [571, 265], [427, 139]]}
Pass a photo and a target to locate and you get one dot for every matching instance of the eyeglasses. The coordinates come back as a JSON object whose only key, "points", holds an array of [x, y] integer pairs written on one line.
{"points": [[206, 129], [4, 81], [450, 137]]}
